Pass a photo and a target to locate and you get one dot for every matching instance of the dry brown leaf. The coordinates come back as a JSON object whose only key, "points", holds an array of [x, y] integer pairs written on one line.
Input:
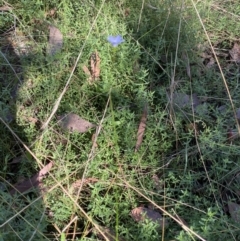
{"points": [[73, 122], [222, 109], [55, 41], [33, 120], [234, 210], [232, 134], [95, 145], [108, 232], [182, 100], [235, 53], [157, 183], [33, 182], [140, 214], [17, 159], [5, 8], [86, 71], [210, 63], [205, 55], [94, 72], [81, 182], [52, 12], [141, 128], [127, 12], [95, 65]]}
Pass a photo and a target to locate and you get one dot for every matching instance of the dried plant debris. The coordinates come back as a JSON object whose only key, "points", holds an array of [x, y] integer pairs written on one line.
{"points": [[87, 72], [33, 182], [82, 182], [234, 210], [232, 134], [140, 214], [17, 159], [93, 72], [73, 122], [95, 65], [52, 12], [182, 100], [210, 63], [5, 8], [55, 41], [208, 57], [141, 128], [158, 184], [235, 53]]}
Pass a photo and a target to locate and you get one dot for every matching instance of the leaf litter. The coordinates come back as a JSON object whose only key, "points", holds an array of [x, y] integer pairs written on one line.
{"points": [[33, 182], [82, 182], [73, 122], [140, 214], [55, 41], [94, 72], [5, 8], [235, 53], [182, 100], [234, 210], [141, 128]]}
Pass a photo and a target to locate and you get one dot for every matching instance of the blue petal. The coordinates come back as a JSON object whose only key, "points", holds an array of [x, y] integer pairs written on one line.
{"points": [[115, 40]]}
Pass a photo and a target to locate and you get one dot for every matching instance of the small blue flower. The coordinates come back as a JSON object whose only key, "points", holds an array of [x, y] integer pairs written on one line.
{"points": [[115, 40]]}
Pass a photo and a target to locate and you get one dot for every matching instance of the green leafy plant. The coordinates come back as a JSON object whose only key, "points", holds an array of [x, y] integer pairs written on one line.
{"points": [[136, 72]]}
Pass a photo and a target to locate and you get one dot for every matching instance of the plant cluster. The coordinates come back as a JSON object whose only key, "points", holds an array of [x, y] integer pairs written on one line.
{"points": [[170, 68]]}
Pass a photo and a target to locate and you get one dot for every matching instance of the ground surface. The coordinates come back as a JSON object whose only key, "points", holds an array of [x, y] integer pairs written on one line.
{"points": [[119, 120]]}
